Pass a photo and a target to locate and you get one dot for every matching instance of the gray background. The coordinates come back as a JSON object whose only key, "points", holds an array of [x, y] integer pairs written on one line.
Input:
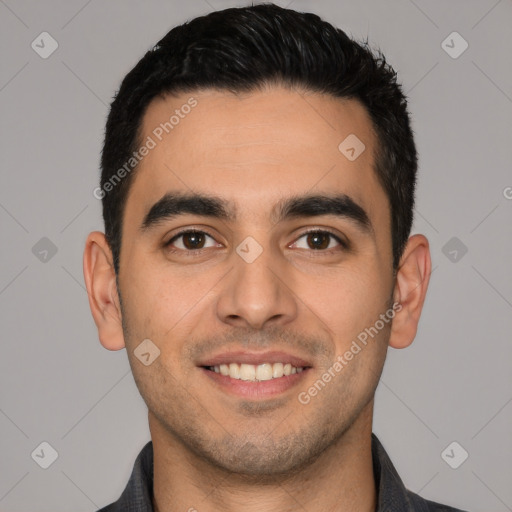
{"points": [[57, 384]]}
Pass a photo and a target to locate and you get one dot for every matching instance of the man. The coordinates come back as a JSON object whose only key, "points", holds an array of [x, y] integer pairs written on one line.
{"points": [[258, 178]]}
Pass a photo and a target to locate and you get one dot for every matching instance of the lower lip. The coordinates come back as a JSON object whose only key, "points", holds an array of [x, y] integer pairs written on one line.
{"points": [[256, 389]]}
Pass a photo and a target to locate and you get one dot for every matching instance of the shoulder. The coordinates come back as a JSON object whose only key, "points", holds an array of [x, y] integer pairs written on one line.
{"points": [[393, 496], [419, 504], [110, 508], [137, 495]]}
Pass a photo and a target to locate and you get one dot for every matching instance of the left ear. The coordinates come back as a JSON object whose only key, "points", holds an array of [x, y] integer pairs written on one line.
{"points": [[410, 290]]}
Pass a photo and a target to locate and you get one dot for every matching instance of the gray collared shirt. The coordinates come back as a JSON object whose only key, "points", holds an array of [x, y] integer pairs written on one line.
{"points": [[392, 494]]}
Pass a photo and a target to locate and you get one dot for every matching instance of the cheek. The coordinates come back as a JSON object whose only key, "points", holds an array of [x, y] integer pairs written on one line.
{"points": [[153, 296], [147, 312], [166, 307], [160, 387], [347, 301]]}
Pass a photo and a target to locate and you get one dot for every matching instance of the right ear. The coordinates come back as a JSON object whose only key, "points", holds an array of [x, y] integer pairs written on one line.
{"points": [[100, 281]]}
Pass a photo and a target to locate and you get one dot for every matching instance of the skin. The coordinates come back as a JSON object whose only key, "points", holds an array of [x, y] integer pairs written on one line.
{"points": [[215, 451]]}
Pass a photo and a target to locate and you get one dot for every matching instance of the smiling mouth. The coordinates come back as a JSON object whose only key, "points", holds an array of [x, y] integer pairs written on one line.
{"points": [[256, 373]]}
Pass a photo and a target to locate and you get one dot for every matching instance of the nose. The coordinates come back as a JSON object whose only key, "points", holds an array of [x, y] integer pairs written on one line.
{"points": [[257, 294]]}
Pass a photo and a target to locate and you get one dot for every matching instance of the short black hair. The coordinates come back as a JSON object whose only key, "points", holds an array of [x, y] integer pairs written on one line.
{"points": [[243, 50]]}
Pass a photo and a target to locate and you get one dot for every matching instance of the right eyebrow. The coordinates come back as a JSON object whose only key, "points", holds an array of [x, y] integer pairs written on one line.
{"points": [[171, 205]]}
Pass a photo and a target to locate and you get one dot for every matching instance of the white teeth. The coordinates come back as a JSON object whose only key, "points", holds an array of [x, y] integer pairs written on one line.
{"points": [[264, 372], [251, 372], [277, 370], [247, 372], [234, 371]]}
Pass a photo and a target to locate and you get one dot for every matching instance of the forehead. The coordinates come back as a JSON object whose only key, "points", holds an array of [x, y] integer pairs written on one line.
{"points": [[254, 148]]}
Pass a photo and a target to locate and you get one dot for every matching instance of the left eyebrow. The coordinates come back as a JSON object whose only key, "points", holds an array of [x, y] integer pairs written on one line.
{"points": [[339, 205]]}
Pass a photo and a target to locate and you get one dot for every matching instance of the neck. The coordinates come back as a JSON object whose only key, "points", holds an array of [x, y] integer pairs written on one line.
{"points": [[340, 480]]}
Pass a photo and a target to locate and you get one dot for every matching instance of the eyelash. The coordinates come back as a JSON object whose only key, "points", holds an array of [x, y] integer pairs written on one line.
{"points": [[197, 252]]}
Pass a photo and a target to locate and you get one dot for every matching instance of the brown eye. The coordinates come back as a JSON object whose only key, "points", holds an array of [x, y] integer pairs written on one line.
{"points": [[318, 241], [191, 241]]}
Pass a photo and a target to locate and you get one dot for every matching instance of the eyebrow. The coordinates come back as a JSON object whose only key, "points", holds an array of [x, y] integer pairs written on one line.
{"points": [[338, 205], [172, 205]]}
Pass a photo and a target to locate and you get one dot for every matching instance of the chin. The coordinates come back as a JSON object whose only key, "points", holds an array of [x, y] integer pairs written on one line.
{"points": [[265, 458]]}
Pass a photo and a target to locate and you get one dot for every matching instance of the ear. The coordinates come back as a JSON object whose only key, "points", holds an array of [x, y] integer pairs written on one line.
{"points": [[410, 290], [100, 281]]}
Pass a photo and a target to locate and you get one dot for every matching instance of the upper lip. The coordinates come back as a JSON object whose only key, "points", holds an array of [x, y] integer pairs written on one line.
{"points": [[256, 358]]}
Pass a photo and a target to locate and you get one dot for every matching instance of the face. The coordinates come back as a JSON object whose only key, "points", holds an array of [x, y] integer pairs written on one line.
{"points": [[251, 242]]}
